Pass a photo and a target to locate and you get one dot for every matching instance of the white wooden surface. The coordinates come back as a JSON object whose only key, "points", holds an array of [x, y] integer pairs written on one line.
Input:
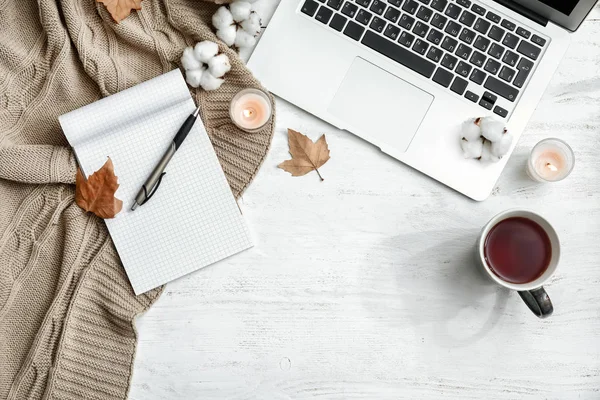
{"points": [[363, 286]]}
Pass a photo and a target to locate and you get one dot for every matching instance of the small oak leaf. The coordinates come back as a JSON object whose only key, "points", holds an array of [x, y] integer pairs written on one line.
{"points": [[120, 9], [97, 193], [306, 155]]}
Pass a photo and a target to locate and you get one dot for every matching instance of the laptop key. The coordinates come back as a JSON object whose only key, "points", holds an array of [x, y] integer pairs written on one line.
{"points": [[406, 39], [524, 67], [398, 54], [485, 104], [335, 4], [439, 21], [435, 36], [392, 32], [396, 3], [338, 22], [477, 76], [452, 28], [500, 111], [420, 46], [463, 51], [506, 74], [364, 3], [492, 66], [471, 96], [538, 40], [523, 32], [508, 25], [510, 58], [478, 59], [406, 21], [392, 14], [490, 97], [452, 11], [443, 77], [510, 40], [530, 50], [354, 30], [467, 35], [496, 51], [482, 26], [410, 6], [324, 14], [439, 5], [459, 85], [501, 88], [449, 61], [449, 44], [464, 3], [434, 54], [481, 43], [424, 13], [309, 7], [467, 18], [426, 2], [420, 29], [478, 9], [463, 69], [493, 17], [377, 24], [349, 9], [377, 7], [496, 33], [363, 16]]}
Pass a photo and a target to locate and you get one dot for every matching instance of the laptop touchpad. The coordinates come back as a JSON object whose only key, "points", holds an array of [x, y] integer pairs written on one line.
{"points": [[379, 106]]}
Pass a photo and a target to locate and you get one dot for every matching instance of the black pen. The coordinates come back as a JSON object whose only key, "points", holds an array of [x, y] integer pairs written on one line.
{"points": [[155, 177]]}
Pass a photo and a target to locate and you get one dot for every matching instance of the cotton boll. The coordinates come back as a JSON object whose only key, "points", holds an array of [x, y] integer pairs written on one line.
{"points": [[501, 147], [219, 65], [252, 24], [472, 148], [222, 18], [470, 130], [240, 10], [206, 50], [244, 39], [486, 154], [492, 129], [194, 77], [209, 82], [228, 35], [188, 60]]}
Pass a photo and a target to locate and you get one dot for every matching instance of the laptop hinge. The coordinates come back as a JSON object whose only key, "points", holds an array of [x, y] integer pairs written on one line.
{"points": [[524, 11]]}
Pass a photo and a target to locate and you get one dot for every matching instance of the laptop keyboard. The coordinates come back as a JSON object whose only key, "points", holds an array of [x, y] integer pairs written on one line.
{"points": [[460, 45]]}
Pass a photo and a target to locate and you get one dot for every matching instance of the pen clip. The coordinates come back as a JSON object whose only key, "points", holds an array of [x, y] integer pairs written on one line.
{"points": [[148, 196]]}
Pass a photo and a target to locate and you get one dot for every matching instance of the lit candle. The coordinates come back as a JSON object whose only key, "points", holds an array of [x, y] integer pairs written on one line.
{"points": [[250, 109], [551, 160]]}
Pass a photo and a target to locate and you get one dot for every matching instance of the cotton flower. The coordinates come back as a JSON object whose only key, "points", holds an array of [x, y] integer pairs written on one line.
{"points": [[204, 67], [237, 25], [485, 139]]}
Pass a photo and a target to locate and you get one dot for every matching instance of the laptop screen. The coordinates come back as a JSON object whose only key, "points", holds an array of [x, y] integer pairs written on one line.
{"points": [[564, 6]]}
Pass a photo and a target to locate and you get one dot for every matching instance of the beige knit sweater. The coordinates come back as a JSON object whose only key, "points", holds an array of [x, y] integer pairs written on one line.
{"points": [[66, 307]]}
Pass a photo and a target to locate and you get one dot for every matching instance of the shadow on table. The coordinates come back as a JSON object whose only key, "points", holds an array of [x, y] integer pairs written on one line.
{"points": [[439, 285]]}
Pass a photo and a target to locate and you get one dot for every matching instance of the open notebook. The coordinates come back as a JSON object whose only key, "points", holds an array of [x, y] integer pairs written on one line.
{"points": [[193, 219]]}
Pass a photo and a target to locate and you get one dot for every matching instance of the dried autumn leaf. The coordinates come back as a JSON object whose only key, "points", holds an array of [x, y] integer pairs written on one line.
{"points": [[120, 9], [306, 155], [97, 193]]}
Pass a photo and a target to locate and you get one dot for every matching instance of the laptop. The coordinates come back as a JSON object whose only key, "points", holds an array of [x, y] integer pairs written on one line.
{"points": [[404, 74]]}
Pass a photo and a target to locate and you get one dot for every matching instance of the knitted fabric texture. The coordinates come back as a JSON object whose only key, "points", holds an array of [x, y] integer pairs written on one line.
{"points": [[66, 306]]}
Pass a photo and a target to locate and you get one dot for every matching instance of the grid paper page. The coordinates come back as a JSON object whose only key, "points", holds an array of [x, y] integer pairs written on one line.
{"points": [[193, 219]]}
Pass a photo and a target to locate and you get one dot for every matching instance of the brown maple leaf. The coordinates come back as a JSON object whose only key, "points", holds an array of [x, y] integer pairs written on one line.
{"points": [[120, 9], [306, 155], [97, 193]]}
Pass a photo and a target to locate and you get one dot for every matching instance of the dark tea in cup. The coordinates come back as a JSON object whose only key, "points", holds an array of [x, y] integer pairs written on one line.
{"points": [[517, 250]]}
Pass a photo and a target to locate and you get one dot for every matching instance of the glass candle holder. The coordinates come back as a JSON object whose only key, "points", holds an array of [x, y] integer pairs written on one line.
{"points": [[551, 160], [250, 109]]}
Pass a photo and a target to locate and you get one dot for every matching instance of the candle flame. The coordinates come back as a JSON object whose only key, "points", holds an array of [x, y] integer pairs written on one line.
{"points": [[248, 113], [551, 167]]}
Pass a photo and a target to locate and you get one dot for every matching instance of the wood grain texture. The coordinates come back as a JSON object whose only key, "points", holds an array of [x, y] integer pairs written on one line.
{"points": [[363, 286]]}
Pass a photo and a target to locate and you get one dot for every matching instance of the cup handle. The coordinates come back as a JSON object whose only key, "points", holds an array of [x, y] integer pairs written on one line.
{"points": [[538, 302]]}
